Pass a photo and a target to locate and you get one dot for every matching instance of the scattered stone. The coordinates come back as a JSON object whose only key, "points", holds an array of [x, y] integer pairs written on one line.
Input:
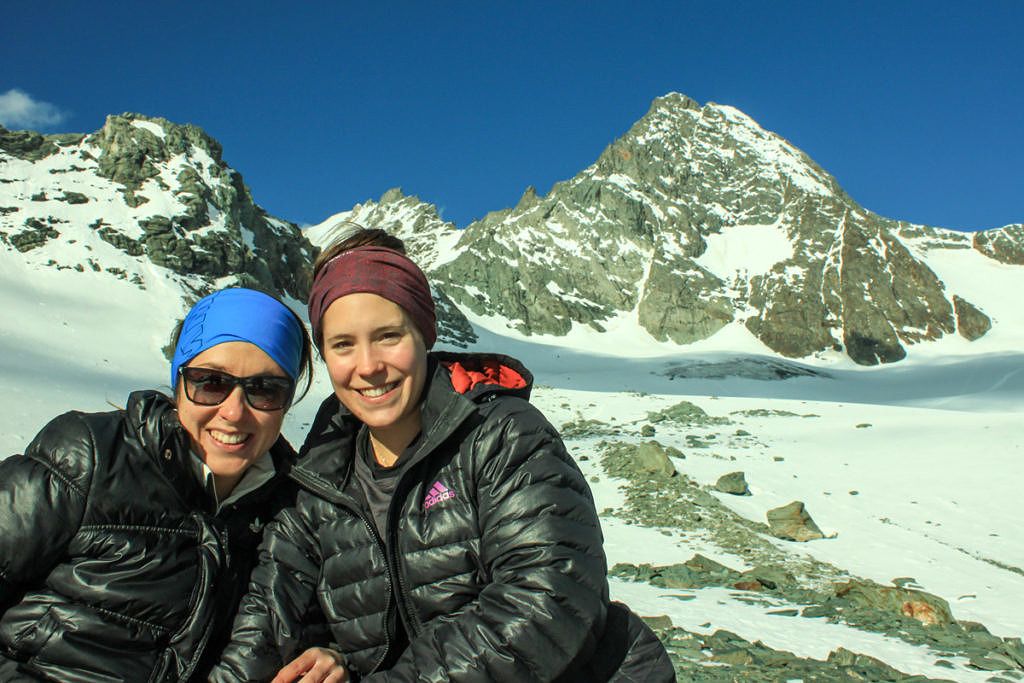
{"points": [[647, 430], [863, 425], [764, 412], [926, 608], [686, 413], [658, 622], [817, 589], [854, 492], [778, 458], [748, 586], [74, 198], [582, 427], [651, 457], [793, 523], [725, 657], [733, 483]]}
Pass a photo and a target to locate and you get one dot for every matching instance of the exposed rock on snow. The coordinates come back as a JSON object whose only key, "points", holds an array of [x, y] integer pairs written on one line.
{"points": [[793, 523], [733, 483]]}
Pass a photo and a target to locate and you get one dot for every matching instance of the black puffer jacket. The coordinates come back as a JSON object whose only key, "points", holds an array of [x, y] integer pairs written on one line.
{"points": [[113, 566], [493, 548]]}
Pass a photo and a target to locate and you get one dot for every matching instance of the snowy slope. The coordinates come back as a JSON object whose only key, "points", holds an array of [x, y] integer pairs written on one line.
{"points": [[936, 498]]}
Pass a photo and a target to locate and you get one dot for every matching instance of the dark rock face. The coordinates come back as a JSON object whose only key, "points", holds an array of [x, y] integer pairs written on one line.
{"points": [[34, 235], [32, 146], [971, 323]]}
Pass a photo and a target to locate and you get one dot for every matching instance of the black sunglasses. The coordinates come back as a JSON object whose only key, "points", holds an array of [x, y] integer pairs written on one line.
{"points": [[207, 387]]}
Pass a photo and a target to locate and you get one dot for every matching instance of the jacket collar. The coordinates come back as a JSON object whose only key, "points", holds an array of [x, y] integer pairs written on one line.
{"points": [[325, 459], [152, 422]]}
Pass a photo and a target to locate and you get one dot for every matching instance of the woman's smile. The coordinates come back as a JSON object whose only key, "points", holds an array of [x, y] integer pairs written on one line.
{"points": [[377, 392]]}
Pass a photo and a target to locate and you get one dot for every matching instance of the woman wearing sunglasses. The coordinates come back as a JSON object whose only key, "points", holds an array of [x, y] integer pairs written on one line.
{"points": [[442, 527], [126, 537]]}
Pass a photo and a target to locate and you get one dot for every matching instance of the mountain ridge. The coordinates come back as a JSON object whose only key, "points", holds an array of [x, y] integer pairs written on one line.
{"points": [[647, 233]]}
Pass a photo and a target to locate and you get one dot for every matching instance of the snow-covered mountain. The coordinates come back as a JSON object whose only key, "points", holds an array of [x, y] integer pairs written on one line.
{"points": [[142, 192], [695, 220]]}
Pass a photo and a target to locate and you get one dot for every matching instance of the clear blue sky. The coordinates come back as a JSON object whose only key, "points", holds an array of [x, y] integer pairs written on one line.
{"points": [[917, 108]]}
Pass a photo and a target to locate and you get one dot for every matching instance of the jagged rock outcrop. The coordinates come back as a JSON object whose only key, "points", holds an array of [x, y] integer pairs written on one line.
{"points": [[1005, 245], [970, 322], [32, 146]]}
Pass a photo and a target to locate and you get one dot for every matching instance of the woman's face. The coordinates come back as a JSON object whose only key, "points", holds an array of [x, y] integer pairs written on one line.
{"points": [[230, 436], [377, 362]]}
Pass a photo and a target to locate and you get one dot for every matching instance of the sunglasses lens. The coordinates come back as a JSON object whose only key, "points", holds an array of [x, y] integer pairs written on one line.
{"points": [[210, 387], [268, 393], [207, 387]]}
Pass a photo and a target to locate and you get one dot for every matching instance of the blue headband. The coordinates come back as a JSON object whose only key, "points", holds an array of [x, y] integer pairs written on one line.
{"points": [[240, 315]]}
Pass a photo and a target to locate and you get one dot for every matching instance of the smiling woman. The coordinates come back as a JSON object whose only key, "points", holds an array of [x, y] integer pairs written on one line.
{"points": [[442, 531], [126, 537]]}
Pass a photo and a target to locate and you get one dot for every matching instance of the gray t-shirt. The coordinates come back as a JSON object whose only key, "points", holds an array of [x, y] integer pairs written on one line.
{"points": [[376, 482]]}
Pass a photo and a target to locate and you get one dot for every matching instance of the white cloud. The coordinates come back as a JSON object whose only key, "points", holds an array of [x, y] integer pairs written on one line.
{"points": [[19, 110]]}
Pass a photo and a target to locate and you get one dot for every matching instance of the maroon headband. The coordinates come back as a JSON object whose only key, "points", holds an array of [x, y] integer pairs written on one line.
{"points": [[380, 271]]}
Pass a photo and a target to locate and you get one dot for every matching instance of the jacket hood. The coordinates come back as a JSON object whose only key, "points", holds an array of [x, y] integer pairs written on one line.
{"points": [[475, 375]]}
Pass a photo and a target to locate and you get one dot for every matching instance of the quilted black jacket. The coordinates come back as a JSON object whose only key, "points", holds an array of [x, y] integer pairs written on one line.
{"points": [[113, 566], [493, 549]]}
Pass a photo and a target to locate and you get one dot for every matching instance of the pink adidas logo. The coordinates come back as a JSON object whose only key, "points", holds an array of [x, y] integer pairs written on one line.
{"points": [[438, 493]]}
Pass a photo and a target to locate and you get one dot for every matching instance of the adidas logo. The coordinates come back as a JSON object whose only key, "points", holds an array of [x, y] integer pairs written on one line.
{"points": [[438, 493]]}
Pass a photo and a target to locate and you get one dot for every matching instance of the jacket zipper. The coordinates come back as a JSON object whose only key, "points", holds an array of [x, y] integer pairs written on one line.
{"points": [[408, 614], [332, 495]]}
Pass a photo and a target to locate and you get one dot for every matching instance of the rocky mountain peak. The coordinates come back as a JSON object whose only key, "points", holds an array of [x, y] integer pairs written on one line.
{"points": [[393, 196], [631, 236], [131, 147]]}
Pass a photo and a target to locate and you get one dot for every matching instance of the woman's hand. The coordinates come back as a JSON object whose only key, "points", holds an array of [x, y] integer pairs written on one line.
{"points": [[315, 665]]}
